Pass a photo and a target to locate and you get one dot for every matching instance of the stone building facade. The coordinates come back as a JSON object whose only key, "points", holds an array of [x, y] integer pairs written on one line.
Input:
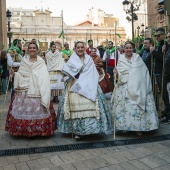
{"points": [[152, 12], [154, 18], [39, 24]]}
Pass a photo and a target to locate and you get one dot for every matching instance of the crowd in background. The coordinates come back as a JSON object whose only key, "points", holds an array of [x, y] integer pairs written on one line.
{"points": [[111, 67]]}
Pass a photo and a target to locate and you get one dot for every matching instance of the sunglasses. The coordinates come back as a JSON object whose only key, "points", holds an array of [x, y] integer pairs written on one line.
{"points": [[158, 35]]}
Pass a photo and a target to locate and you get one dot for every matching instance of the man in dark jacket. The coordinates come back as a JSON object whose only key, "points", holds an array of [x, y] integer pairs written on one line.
{"points": [[146, 54], [158, 55], [167, 79]]}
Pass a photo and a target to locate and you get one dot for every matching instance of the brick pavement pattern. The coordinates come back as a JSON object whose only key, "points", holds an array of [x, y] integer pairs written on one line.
{"points": [[155, 156]]}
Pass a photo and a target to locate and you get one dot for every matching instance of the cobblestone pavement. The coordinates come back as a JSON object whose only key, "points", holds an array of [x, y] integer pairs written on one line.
{"points": [[155, 156], [132, 157]]}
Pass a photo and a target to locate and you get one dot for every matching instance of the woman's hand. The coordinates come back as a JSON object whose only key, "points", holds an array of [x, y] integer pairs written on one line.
{"points": [[115, 73], [152, 48], [163, 48], [11, 72], [100, 71]]}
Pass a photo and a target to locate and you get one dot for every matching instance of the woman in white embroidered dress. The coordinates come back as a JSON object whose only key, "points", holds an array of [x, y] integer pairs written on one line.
{"points": [[83, 108], [31, 113], [55, 64], [135, 106]]}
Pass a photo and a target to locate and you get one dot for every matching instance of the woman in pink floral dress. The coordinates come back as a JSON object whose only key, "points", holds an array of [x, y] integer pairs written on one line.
{"points": [[30, 112]]}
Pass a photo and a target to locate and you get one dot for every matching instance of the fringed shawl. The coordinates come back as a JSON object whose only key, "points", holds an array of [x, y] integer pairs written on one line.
{"points": [[34, 78]]}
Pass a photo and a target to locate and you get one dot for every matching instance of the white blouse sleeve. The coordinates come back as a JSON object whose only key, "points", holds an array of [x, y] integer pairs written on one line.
{"points": [[10, 62]]}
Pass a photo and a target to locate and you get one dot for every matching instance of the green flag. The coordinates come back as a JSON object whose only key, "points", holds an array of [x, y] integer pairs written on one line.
{"points": [[25, 40], [118, 35], [135, 40], [61, 34], [139, 51]]}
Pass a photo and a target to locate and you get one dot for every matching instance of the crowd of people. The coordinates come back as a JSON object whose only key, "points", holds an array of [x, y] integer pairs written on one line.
{"points": [[82, 77]]}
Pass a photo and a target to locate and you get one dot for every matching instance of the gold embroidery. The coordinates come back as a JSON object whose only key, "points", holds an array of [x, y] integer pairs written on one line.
{"points": [[54, 72]]}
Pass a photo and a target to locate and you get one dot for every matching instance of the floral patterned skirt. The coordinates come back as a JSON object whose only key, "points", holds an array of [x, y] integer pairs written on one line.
{"points": [[89, 125], [28, 117], [130, 117]]}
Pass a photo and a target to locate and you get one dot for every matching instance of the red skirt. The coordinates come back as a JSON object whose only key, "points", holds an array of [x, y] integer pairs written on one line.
{"points": [[32, 126]]}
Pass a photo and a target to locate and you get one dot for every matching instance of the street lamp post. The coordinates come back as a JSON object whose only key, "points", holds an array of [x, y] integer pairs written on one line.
{"points": [[9, 34], [130, 6]]}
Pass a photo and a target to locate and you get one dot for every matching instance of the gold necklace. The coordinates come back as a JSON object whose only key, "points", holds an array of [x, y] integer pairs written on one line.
{"points": [[32, 59]]}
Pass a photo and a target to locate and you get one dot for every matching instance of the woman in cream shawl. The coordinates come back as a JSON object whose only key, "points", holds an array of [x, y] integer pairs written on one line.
{"points": [[55, 64], [83, 109], [31, 113], [135, 106]]}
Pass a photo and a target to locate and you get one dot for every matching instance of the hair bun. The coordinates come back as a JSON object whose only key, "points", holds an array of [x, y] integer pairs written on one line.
{"points": [[130, 42], [52, 43]]}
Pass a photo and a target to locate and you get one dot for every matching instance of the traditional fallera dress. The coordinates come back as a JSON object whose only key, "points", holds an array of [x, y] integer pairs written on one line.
{"points": [[135, 106], [30, 112], [83, 107], [55, 64], [104, 81]]}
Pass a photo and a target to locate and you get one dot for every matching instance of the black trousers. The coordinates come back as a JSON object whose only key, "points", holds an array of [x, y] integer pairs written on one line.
{"points": [[165, 92]]}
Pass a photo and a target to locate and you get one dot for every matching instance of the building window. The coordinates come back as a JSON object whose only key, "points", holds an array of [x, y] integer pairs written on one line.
{"points": [[24, 13], [18, 13]]}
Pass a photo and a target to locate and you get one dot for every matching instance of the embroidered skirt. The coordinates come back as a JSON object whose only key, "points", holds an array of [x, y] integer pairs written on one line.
{"points": [[56, 82], [130, 117], [28, 117], [85, 125]]}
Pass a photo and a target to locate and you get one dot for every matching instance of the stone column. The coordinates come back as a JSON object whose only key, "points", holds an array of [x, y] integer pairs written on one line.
{"points": [[3, 25]]}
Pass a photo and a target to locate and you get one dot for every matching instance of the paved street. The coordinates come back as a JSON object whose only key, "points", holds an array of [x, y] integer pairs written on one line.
{"points": [[155, 156], [142, 156]]}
